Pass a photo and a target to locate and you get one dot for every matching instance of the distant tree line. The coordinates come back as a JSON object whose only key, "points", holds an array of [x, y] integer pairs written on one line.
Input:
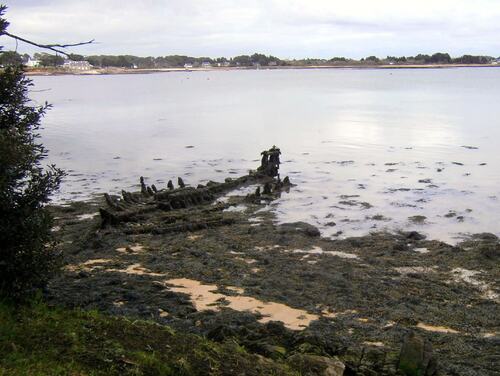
{"points": [[179, 61]]}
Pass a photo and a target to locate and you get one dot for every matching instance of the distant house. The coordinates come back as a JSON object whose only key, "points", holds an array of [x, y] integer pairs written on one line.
{"points": [[77, 65], [206, 64], [188, 65], [273, 63], [226, 64], [32, 63]]}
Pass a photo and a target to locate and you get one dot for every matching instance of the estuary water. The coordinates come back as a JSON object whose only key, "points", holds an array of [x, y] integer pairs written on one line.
{"points": [[368, 149]]}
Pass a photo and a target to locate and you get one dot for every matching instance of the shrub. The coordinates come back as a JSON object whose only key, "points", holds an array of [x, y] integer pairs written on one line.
{"points": [[27, 256]]}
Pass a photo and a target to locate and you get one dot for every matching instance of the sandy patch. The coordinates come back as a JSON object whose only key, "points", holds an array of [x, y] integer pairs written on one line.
{"points": [[162, 313], [88, 265], [204, 298], [329, 314], [96, 261], [248, 261], [137, 248], [436, 329], [490, 335], [136, 269], [237, 290], [374, 344]]}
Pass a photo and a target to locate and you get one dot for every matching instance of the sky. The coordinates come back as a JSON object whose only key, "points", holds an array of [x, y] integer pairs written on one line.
{"points": [[284, 28]]}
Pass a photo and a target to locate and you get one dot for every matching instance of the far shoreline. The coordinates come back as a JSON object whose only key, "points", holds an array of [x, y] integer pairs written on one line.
{"points": [[116, 71]]}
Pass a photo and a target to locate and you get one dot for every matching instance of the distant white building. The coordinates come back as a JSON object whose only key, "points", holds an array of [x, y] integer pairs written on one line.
{"points": [[206, 64], [32, 63], [77, 65], [188, 65]]}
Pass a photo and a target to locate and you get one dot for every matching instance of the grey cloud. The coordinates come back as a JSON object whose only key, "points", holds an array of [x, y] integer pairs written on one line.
{"points": [[286, 28]]}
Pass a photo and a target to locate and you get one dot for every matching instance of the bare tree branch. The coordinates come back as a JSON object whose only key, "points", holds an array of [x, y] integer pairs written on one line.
{"points": [[52, 47]]}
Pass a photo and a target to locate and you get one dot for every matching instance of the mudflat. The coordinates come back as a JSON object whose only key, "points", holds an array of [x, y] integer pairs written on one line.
{"points": [[207, 260]]}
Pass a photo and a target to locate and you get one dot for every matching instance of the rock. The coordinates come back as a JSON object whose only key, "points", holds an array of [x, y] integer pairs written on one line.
{"points": [[413, 235], [303, 227], [419, 219], [489, 251], [308, 364], [485, 236], [416, 357], [170, 185], [268, 350], [82, 274]]}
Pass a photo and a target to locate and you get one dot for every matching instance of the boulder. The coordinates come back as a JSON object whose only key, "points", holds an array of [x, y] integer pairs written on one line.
{"points": [[308, 364], [416, 357], [303, 227]]}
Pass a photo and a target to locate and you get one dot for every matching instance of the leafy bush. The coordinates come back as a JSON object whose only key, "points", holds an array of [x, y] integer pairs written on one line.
{"points": [[27, 256]]}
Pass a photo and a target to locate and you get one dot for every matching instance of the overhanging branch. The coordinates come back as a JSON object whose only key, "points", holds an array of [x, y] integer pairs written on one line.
{"points": [[52, 47]]}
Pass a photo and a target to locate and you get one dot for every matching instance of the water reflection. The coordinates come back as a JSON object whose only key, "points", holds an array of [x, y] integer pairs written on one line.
{"points": [[391, 140]]}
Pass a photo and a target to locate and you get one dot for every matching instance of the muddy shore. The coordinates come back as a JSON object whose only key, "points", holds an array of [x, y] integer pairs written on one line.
{"points": [[223, 268]]}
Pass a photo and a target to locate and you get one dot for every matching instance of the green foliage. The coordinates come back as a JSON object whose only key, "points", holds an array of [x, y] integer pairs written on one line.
{"points": [[177, 61], [49, 60], [27, 258], [440, 58], [372, 59], [470, 59], [10, 58], [76, 57]]}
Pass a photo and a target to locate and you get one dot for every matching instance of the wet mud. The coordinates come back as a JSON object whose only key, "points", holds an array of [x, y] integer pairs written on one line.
{"points": [[210, 260]]}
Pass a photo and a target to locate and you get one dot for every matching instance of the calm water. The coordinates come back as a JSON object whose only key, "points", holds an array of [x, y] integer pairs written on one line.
{"points": [[388, 138]]}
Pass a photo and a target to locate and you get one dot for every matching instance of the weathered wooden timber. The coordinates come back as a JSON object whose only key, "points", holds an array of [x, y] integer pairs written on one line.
{"points": [[132, 207]]}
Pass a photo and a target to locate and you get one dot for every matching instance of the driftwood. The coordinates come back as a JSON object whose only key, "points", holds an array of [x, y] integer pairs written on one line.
{"points": [[181, 227]]}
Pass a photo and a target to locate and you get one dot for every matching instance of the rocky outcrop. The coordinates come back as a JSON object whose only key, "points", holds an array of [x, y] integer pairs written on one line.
{"points": [[416, 357]]}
